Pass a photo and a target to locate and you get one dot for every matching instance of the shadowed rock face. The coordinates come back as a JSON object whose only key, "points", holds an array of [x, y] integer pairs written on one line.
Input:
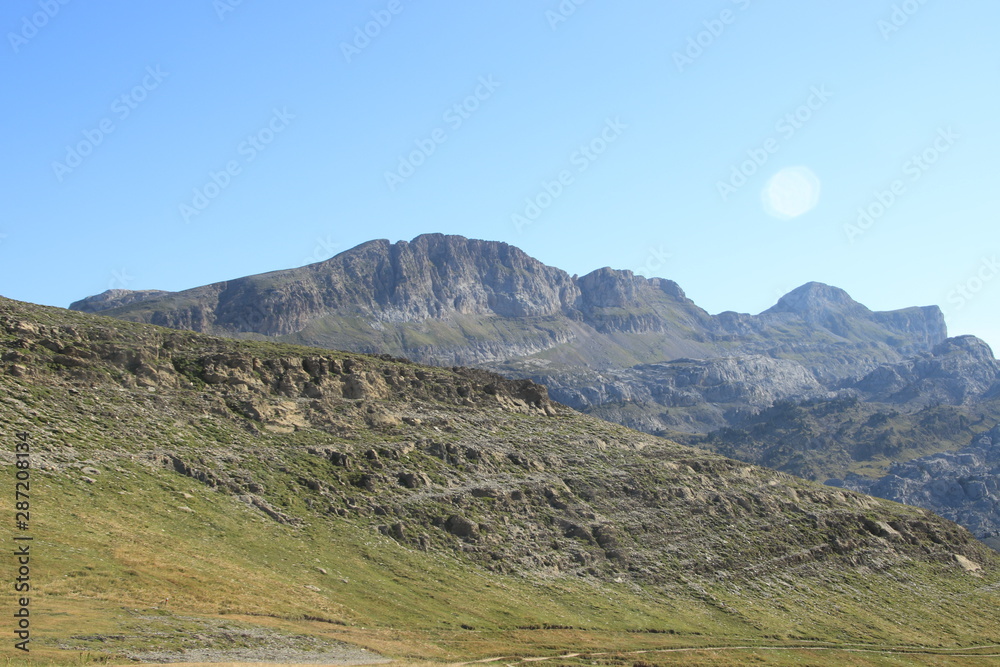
{"points": [[435, 276]]}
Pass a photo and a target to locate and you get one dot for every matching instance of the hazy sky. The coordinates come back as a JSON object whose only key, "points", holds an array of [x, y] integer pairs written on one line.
{"points": [[739, 147]]}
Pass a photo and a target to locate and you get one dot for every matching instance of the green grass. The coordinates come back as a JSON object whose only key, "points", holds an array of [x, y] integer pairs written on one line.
{"points": [[99, 557]]}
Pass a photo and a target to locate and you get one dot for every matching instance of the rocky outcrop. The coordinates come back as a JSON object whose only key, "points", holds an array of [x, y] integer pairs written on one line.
{"points": [[958, 371], [962, 485], [685, 394], [161, 359]]}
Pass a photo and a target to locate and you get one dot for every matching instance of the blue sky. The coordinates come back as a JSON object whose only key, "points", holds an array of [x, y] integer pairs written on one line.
{"points": [[727, 145]]}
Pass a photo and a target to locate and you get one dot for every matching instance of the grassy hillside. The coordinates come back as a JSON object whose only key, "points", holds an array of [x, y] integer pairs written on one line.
{"points": [[286, 497]]}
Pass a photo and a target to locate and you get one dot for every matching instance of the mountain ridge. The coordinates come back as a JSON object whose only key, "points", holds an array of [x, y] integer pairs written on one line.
{"points": [[434, 278]]}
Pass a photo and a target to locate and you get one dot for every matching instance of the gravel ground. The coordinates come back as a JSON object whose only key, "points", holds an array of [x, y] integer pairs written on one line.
{"points": [[162, 637], [344, 656]]}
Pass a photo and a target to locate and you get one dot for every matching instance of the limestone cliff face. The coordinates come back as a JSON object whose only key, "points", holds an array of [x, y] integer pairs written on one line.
{"points": [[618, 301], [439, 278], [432, 277], [436, 276], [923, 326]]}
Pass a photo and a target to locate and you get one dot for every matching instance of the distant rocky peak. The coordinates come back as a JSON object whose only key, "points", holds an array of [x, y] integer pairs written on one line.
{"points": [[974, 347], [816, 298], [442, 248], [113, 298], [670, 288], [608, 288]]}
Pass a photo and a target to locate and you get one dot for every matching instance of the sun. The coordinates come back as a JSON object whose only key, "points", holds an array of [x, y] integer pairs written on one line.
{"points": [[791, 192]]}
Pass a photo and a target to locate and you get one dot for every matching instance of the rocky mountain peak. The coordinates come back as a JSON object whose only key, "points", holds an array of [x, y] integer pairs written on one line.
{"points": [[608, 288], [817, 298], [909, 330]]}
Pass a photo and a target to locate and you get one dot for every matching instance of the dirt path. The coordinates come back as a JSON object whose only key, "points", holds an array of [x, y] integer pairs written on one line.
{"points": [[510, 661]]}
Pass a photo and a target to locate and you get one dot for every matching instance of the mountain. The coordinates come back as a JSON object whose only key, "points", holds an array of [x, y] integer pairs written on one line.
{"points": [[450, 300], [832, 309], [259, 501], [406, 287]]}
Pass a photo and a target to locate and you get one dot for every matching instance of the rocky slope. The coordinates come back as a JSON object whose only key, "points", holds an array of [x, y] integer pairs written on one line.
{"points": [[930, 402], [963, 485], [958, 371], [448, 500], [683, 394]]}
